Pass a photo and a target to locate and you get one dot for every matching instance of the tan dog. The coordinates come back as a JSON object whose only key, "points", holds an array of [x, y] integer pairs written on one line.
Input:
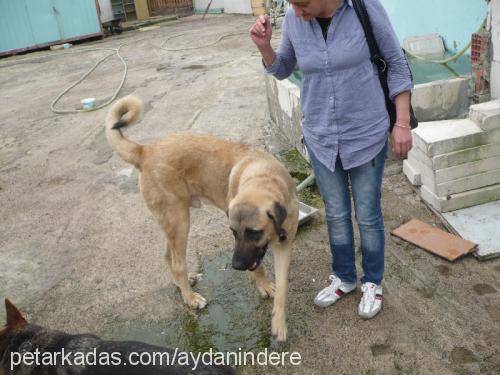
{"points": [[251, 186]]}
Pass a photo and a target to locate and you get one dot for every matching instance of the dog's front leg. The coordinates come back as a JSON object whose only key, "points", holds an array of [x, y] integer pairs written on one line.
{"points": [[265, 286], [282, 254]]}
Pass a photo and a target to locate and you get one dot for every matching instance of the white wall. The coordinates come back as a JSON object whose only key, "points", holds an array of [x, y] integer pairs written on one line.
{"points": [[229, 6], [238, 6], [494, 25], [106, 10]]}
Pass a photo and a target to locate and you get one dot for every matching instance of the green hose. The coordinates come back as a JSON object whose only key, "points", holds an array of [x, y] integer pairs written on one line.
{"points": [[451, 58], [196, 47], [444, 61]]}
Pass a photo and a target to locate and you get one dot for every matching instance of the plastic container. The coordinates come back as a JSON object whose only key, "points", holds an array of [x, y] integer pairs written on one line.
{"points": [[88, 103]]}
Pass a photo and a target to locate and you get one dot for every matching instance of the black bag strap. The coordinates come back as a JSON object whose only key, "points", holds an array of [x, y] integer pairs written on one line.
{"points": [[380, 63], [377, 59], [364, 19]]}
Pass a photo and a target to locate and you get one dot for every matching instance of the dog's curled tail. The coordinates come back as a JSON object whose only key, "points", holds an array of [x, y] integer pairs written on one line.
{"points": [[123, 113]]}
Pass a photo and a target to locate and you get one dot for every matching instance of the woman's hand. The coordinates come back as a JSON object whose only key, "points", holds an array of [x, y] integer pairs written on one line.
{"points": [[261, 32], [401, 132], [402, 140]]}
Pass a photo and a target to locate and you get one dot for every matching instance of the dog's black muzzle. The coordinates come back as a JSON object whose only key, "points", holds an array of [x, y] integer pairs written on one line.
{"points": [[248, 257]]}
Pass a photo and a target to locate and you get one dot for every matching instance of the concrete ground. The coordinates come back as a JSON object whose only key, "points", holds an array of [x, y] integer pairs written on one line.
{"points": [[80, 252]]}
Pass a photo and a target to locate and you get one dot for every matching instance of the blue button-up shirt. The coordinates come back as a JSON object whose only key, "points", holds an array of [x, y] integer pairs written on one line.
{"points": [[342, 101]]}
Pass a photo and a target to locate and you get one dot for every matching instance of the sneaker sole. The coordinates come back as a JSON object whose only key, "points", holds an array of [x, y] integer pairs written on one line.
{"points": [[369, 316], [326, 304]]}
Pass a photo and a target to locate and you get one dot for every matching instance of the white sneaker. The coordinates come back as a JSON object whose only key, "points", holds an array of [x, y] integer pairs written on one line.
{"points": [[332, 293], [371, 302]]}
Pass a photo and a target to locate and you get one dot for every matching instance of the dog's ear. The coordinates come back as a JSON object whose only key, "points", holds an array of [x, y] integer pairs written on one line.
{"points": [[278, 215], [14, 316]]}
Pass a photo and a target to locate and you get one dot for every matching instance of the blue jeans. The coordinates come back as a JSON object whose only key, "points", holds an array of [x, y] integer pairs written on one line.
{"points": [[365, 182]]}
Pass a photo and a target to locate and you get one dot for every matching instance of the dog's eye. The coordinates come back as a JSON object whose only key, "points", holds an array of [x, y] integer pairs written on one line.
{"points": [[253, 235]]}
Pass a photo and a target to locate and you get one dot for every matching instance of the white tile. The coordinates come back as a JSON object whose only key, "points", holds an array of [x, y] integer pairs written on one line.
{"points": [[479, 224]]}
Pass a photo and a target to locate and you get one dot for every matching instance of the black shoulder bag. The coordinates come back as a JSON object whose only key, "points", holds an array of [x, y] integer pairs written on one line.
{"points": [[378, 60]]}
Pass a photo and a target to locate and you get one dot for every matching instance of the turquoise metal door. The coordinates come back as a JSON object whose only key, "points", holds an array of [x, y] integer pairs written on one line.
{"points": [[15, 28], [42, 16], [28, 24], [76, 17]]}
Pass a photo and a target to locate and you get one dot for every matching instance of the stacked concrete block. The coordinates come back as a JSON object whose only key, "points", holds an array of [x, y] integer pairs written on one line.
{"points": [[457, 162]]}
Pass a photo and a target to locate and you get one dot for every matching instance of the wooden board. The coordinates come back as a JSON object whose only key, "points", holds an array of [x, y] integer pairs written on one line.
{"points": [[434, 240]]}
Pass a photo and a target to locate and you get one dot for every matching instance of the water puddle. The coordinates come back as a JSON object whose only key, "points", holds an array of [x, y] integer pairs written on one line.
{"points": [[235, 317]]}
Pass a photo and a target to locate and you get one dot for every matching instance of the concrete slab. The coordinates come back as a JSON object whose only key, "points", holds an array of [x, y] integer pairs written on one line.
{"points": [[457, 158], [460, 200], [471, 182], [419, 156], [440, 137], [412, 174], [467, 169], [441, 100], [425, 173], [430, 178], [423, 165], [479, 224], [486, 115]]}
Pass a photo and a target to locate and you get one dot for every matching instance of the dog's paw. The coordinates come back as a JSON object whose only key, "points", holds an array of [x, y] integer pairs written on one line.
{"points": [[266, 289], [193, 278], [279, 329], [196, 301]]}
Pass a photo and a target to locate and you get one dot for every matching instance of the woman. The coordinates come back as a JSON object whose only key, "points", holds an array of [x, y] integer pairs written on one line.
{"points": [[345, 124]]}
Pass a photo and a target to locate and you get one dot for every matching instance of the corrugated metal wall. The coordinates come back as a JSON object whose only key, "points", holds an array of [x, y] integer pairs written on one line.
{"points": [[26, 24]]}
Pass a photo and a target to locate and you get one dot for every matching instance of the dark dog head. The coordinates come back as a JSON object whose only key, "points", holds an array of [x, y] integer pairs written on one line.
{"points": [[18, 337], [14, 318], [254, 226]]}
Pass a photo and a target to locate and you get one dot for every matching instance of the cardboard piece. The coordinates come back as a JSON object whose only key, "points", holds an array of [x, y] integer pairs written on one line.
{"points": [[434, 240]]}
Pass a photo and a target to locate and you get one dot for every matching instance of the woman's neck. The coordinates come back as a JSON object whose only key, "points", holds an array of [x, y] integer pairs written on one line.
{"points": [[331, 7]]}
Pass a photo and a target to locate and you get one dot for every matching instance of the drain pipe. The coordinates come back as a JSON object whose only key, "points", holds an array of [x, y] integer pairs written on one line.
{"points": [[307, 182]]}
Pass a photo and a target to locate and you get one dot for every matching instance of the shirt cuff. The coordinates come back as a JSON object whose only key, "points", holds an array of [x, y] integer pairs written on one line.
{"points": [[399, 89], [274, 67]]}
